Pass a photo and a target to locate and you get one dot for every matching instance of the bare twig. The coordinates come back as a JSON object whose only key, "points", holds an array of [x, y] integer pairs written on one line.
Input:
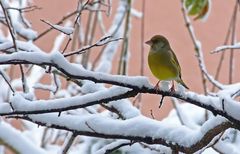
{"points": [[175, 105], [90, 127], [88, 38], [114, 110], [149, 147], [65, 48], [43, 139], [101, 42], [6, 80], [109, 151], [94, 63], [69, 143], [80, 8], [23, 79], [223, 54], [142, 38], [25, 9], [58, 23], [231, 60], [55, 27], [161, 101], [151, 112], [9, 25]]}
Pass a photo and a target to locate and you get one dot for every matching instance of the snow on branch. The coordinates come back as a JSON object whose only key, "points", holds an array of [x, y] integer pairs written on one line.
{"points": [[76, 71], [199, 52], [222, 103], [16, 141], [23, 106], [136, 129], [225, 47], [65, 30]]}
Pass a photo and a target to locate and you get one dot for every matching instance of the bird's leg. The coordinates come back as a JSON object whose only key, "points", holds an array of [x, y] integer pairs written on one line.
{"points": [[172, 89], [157, 86]]}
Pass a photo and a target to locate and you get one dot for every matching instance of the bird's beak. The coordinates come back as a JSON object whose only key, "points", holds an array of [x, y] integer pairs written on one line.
{"points": [[149, 42]]}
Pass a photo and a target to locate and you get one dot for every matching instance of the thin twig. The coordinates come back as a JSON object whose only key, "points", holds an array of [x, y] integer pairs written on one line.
{"points": [[94, 63], [150, 147], [114, 110], [65, 48], [98, 43], [54, 27], [69, 143], [10, 26], [161, 101], [151, 112], [23, 79], [90, 127], [223, 54], [6, 80], [85, 56], [175, 105], [58, 23], [142, 37], [43, 139], [25, 9], [231, 60], [109, 151]]}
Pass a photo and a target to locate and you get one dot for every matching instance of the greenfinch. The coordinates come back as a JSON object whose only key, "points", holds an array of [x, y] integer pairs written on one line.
{"points": [[163, 62]]}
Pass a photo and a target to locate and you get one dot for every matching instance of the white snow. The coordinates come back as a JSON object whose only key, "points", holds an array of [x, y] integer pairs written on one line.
{"points": [[15, 139], [64, 29], [21, 104], [137, 126], [224, 47]]}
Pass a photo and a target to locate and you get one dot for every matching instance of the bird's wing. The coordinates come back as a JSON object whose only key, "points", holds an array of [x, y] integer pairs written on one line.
{"points": [[175, 62]]}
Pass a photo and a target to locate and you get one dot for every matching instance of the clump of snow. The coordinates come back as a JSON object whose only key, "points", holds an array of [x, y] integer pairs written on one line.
{"points": [[91, 87], [125, 108], [16, 140], [26, 32], [164, 85], [65, 29]]}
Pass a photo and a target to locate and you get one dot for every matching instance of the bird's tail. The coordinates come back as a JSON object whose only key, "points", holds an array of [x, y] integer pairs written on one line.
{"points": [[182, 83]]}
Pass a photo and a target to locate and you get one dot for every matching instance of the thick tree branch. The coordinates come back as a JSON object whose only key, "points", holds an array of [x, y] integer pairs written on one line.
{"points": [[208, 132]]}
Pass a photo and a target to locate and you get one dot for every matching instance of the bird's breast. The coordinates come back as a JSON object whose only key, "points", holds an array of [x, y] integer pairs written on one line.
{"points": [[161, 65]]}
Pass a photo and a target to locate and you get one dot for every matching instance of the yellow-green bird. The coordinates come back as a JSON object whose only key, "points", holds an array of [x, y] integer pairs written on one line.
{"points": [[163, 62]]}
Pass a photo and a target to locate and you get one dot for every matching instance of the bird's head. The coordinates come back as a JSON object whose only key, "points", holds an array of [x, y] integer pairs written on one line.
{"points": [[158, 42]]}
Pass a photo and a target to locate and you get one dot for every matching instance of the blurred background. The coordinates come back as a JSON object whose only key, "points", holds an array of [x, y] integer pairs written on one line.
{"points": [[160, 17]]}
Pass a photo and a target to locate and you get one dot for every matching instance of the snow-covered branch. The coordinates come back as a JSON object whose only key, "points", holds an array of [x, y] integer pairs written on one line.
{"points": [[219, 104], [15, 140], [225, 47], [135, 129]]}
